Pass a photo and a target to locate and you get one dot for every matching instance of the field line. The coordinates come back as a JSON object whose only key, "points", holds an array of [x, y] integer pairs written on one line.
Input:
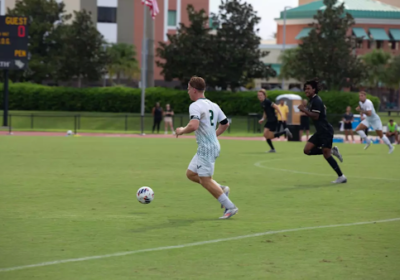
{"points": [[189, 245]]}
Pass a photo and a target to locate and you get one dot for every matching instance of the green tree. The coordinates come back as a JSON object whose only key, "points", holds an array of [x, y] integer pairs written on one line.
{"points": [[392, 77], [190, 51], [83, 51], [46, 18], [122, 61], [289, 64], [329, 51], [238, 57], [228, 56], [377, 63]]}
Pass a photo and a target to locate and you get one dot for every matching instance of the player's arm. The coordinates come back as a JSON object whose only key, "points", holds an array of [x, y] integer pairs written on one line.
{"points": [[263, 118], [276, 107], [223, 123], [314, 113], [194, 122]]}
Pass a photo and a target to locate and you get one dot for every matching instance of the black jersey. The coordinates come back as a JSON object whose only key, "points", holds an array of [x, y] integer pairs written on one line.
{"points": [[269, 110], [348, 117], [321, 124]]}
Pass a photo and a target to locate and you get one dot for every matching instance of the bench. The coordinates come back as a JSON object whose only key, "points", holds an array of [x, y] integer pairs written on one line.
{"points": [[392, 110]]}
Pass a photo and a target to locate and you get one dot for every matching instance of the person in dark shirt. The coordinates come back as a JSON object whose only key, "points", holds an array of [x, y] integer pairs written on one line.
{"points": [[348, 118], [157, 113], [321, 142], [272, 121]]}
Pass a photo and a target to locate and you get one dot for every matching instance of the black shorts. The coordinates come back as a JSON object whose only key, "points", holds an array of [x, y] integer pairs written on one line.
{"points": [[304, 123], [348, 126], [271, 126], [322, 140]]}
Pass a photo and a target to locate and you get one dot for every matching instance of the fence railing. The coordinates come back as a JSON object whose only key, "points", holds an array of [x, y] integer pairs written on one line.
{"points": [[125, 123]]}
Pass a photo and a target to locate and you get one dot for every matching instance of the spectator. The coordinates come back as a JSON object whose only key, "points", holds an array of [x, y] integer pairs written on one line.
{"points": [[392, 132], [285, 112], [168, 119], [304, 122], [157, 114], [348, 118]]}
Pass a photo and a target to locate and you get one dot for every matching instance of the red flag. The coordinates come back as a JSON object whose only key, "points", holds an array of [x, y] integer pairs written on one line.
{"points": [[152, 4]]}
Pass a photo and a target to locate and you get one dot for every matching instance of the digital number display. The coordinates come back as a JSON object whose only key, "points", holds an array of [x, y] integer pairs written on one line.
{"points": [[13, 42]]}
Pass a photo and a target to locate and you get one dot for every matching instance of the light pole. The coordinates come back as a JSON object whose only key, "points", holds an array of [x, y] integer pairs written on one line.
{"points": [[284, 38]]}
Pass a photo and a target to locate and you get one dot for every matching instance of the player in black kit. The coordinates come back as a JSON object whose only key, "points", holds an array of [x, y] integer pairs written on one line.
{"points": [[321, 142], [272, 121]]}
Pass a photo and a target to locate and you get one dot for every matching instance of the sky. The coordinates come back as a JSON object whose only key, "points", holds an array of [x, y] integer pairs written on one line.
{"points": [[268, 10]]}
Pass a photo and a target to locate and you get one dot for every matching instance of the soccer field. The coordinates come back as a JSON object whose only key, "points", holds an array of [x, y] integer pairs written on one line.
{"points": [[68, 207]]}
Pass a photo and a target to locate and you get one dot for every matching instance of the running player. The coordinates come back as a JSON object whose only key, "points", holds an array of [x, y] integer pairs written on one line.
{"points": [[204, 116], [321, 142], [272, 121], [371, 119]]}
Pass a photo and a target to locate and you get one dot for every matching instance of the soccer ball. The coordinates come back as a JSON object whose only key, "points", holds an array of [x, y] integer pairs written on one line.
{"points": [[145, 195], [69, 132]]}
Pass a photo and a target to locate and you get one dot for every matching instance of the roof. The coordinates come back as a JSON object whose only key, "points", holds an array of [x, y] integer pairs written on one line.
{"points": [[357, 8]]}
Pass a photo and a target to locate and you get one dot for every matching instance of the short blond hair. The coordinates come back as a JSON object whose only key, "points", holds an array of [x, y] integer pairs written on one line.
{"points": [[197, 83], [263, 91]]}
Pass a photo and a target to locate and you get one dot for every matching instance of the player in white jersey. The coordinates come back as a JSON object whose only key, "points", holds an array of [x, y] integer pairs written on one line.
{"points": [[204, 116], [371, 119]]}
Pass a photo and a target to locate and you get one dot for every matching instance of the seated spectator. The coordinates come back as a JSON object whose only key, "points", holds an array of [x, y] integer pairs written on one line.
{"points": [[392, 132]]}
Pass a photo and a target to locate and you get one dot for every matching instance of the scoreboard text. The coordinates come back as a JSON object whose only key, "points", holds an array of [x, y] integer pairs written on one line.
{"points": [[13, 42]]}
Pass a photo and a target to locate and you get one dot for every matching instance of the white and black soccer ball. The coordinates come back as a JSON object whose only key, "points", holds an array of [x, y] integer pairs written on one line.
{"points": [[69, 132], [145, 195]]}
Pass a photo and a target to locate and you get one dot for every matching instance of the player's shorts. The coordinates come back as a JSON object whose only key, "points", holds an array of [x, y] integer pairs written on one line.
{"points": [[376, 124], [168, 119], [202, 166], [348, 126], [304, 123], [271, 126], [322, 140]]}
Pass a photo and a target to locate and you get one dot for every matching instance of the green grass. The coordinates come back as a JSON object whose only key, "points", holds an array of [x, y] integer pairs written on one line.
{"points": [[67, 197]]}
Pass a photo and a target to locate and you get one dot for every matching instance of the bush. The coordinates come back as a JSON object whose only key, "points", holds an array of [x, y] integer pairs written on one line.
{"points": [[26, 96]]}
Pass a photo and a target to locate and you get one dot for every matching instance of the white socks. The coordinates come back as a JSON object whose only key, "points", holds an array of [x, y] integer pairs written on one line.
{"points": [[386, 140], [226, 202], [363, 135]]}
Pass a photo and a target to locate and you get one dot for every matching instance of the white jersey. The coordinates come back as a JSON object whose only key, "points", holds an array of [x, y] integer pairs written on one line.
{"points": [[368, 106], [209, 114]]}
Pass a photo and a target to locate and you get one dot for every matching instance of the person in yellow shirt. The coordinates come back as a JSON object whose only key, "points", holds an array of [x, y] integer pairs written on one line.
{"points": [[282, 119]]}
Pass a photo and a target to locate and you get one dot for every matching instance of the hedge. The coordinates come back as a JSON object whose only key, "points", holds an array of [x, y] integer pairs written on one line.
{"points": [[26, 96]]}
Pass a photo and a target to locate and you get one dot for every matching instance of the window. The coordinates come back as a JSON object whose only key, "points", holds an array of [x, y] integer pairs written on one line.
{"points": [[393, 45], [107, 14], [171, 18], [379, 44], [359, 44]]}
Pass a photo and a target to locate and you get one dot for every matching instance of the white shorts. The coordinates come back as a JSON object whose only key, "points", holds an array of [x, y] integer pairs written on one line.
{"points": [[203, 167], [376, 124]]}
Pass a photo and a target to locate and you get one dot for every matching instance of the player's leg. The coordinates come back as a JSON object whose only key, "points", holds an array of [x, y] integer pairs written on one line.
{"points": [[361, 131], [385, 140], [300, 134], [165, 127], [346, 133], [352, 135], [171, 124], [312, 147], [327, 141], [206, 172], [268, 134]]}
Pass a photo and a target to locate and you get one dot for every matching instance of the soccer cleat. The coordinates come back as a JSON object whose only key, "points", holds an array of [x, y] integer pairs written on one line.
{"points": [[336, 153], [368, 143], [391, 149], [226, 191], [229, 213], [340, 180], [271, 151], [288, 133]]}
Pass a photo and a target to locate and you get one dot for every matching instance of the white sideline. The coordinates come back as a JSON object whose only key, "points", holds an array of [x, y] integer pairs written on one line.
{"points": [[189, 245]]}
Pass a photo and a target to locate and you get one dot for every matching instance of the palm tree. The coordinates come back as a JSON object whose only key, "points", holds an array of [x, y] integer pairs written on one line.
{"points": [[377, 63], [122, 61]]}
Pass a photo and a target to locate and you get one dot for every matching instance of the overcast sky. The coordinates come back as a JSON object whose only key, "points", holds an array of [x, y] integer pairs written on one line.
{"points": [[268, 10]]}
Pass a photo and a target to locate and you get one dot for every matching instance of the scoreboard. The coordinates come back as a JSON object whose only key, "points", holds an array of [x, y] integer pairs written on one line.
{"points": [[13, 42]]}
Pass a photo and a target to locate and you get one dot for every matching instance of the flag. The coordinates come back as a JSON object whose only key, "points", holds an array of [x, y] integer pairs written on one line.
{"points": [[152, 4]]}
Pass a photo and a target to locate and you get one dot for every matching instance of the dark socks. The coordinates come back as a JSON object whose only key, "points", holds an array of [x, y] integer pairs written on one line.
{"points": [[332, 162], [315, 151], [279, 133], [270, 144]]}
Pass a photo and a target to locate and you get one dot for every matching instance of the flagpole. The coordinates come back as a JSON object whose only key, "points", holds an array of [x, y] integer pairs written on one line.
{"points": [[144, 68]]}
